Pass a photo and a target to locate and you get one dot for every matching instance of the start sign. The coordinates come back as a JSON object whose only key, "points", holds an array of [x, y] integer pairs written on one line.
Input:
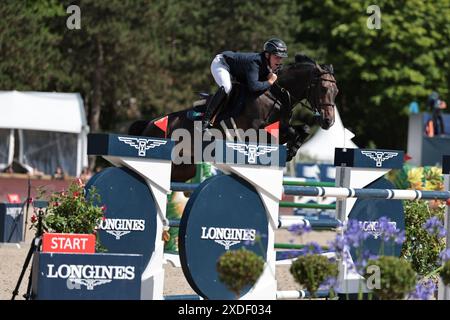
{"points": [[68, 243]]}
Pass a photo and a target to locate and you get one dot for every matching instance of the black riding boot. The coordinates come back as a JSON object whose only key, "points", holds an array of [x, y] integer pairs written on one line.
{"points": [[212, 106]]}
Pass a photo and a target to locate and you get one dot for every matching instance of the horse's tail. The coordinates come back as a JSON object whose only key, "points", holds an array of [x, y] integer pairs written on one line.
{"points": [[138, 127]]}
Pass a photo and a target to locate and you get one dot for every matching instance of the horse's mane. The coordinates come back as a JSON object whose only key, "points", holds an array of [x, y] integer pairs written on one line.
{"points": [[302, 60]]}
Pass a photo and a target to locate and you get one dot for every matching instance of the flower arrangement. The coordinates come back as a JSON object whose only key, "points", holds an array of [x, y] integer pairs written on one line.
{"points": [[425, 178], [70, 211]]}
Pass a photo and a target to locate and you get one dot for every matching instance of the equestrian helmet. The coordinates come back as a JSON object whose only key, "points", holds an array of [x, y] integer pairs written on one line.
{"points": [[277, 47]]}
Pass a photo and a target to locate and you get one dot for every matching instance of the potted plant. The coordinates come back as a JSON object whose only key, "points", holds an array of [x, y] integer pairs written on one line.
{"points": [[70, 212], [397, 278], [312, 270], [445, 273], [239, 268]]}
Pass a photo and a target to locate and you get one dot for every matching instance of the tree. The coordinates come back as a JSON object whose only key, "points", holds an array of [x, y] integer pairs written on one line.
{"points": [[379, 71], [30, 56]]}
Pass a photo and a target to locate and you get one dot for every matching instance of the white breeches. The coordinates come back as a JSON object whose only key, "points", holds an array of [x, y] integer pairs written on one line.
{"points": [[221, 72]]}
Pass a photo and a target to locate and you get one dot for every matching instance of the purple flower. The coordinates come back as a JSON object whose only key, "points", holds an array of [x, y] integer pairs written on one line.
{"points": [[329, 283], [300, 229], [445, 255], [313, 248], [401, 237], [389, 232], [387, 229], [354, 234], [424, 290], [338, 245], [434, 227], [362, 261]]}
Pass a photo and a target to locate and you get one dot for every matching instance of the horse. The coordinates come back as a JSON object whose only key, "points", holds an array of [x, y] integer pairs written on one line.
{"points": [[301, 80]]}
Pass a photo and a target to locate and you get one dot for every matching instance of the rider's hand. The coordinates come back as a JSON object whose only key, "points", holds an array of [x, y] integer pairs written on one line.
{"points": [[271, 78]]}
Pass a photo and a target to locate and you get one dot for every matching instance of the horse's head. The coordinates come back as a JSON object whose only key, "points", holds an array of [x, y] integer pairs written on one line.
{"points": [[322, 95], [305, 79]]}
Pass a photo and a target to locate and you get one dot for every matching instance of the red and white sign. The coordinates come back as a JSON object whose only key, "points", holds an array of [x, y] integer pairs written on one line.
{"points": [[68, 243], [13, 198]]}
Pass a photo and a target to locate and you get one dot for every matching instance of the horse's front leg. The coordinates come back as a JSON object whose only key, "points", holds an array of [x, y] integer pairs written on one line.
{"points": [[302, 131], [296, 137]]}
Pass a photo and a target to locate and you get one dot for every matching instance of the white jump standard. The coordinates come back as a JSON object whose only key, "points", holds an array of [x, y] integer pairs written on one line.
{"points": [[231, 210]]}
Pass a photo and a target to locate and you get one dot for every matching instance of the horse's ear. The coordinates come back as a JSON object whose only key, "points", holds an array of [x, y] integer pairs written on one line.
{"points": [[299, 58], [330, 67], [327, 67]]}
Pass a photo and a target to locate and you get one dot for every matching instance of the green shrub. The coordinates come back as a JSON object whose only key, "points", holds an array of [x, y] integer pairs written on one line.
{"points": [[239, 268], [420, 248], [312, 270], [445, 273], [397, 277]]}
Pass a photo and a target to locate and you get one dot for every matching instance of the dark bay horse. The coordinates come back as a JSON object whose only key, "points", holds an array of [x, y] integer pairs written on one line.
{"points": [[302, 80]]}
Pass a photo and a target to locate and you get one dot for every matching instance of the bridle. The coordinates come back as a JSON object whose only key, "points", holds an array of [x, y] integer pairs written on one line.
{"points": [[312, 95]]}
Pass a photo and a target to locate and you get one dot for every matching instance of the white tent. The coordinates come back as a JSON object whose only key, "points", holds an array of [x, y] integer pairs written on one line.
{"points": [[51, 130], [320, 147]]}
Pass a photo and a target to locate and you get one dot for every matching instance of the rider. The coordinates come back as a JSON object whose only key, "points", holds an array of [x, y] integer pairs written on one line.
{"points": [[255, 70]]}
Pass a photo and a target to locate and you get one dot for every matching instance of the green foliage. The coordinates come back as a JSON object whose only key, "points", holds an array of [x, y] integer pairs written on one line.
{"points": [[445, 273], [239, 268], [140, 59], [420, 248], [380, 71], [311, 271], [397, 278], [30, 59], [70, 212]]}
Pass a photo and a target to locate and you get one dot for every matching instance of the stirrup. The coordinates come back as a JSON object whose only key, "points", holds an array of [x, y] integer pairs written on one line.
{"points": [[206, 125]]}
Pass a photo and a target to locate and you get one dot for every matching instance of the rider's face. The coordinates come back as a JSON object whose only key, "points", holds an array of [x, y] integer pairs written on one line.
{"points": [[275, 62]]}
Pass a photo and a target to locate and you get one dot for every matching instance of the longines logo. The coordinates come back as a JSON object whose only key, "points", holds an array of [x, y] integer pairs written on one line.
{"points": [[251, 150], [372, 227], [228, 236], [379, 156], [142, 144], [121, 227], [74, 283], [89, 275]]}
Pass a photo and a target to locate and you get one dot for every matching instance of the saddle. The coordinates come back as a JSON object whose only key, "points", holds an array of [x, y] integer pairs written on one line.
{"points": [[232, 108]]}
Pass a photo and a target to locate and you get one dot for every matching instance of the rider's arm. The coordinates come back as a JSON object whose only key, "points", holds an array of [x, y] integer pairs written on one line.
{"points": [[253, 82]]}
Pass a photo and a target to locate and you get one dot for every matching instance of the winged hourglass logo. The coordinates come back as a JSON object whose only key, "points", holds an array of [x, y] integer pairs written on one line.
{"points": [[89, 283], [379, 156], [142, 144], [251, 150], [227, 243]]}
